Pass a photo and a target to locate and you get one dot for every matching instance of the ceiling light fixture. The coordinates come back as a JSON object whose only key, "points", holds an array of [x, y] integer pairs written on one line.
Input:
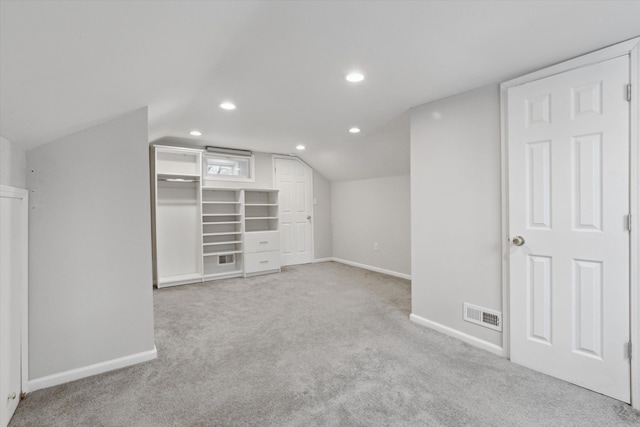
{"points": [[355, 77], [195, 133], [228, 106], [300, 147], [354, 130]]}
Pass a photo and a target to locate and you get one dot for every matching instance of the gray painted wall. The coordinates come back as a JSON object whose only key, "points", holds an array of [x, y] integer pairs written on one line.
{"points": [[12, 164], [455, 208], [368, 211], [90, 286], [322, 238]]}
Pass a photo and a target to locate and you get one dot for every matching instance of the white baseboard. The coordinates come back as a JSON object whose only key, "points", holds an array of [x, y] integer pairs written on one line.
{"points": [[372, 268], [469, 339], [317, 260], [87, 371]]}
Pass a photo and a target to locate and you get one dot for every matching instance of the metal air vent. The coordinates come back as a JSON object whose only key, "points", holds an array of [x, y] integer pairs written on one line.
{"points": [[483, 316]]}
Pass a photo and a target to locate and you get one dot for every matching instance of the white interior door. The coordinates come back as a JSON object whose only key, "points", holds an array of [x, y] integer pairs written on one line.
{"points": [[569, 201], [11, 267], [293, 179]]}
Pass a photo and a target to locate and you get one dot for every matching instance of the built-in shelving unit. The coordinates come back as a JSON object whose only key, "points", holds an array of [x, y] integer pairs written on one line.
{"points": [[206, 233], [176, 215], [222, 230], [261, 210], [262, 237]]}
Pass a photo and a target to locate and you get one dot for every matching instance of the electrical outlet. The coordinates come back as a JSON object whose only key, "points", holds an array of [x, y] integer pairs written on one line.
{"points": [[376, 246]]}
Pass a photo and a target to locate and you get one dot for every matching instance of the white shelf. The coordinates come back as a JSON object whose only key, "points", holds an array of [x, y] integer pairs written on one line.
{"points": [[221, 253], [221, 214], [219, 203], [222, 223], [261, 204], [260, 217], [226, 233], [177, 175], [222, 243]]}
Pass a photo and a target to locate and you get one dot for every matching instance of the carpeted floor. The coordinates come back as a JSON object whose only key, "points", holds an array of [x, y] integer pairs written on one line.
{"points": [[318, 345]]}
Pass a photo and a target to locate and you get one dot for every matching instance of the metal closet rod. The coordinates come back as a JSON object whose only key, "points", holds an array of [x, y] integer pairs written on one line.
{"points": [[177, 180]]}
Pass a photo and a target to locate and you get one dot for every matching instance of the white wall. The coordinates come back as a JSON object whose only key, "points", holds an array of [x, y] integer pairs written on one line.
{"points": [[455, 209], [322, 238], [369, 211], [90, 285], [12, 164]]}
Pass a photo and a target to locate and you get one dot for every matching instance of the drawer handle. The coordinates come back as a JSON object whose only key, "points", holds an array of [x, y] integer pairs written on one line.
{"points": [[266, 241], [263, 262]]}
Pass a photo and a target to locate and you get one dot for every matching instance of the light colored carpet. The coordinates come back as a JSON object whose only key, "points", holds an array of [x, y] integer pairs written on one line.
{"points": [[318, 345]]}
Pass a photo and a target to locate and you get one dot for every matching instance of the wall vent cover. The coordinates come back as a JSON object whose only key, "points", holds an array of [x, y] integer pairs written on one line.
{"points": [[482, 316], [226, 259]]}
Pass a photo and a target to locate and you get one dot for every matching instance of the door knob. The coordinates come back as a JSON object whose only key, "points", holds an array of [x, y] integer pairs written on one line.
{"points": [[518, 240], [309, 217], [12, 396]]}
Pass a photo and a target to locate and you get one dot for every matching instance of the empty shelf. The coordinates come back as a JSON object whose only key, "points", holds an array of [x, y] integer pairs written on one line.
{"points": [[221, 253]]}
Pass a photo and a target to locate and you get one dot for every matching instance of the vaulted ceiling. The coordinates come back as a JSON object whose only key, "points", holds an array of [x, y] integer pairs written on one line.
{"points": [[66, 65]]}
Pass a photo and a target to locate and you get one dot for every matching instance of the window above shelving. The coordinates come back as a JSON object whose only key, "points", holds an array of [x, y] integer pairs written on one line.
{"points": [[225, 167]]}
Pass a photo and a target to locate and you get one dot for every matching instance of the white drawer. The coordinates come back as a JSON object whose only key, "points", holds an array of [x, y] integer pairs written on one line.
{"points": [[261, 241], [262, 261]]}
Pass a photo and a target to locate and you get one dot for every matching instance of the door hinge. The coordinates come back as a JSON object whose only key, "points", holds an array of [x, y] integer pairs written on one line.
{"points": [[629, 222], [629, 92], [629, 349]]}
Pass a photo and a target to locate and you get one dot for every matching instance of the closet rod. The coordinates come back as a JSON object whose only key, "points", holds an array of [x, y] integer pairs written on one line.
{"points": [[177, 180]]}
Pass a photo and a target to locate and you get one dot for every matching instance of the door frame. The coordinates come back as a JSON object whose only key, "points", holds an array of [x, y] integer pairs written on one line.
{"points": [[23, 196], [632, 48], [313, 215]]}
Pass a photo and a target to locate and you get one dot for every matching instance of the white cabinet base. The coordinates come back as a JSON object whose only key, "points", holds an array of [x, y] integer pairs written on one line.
{"points": [[183, 279]]}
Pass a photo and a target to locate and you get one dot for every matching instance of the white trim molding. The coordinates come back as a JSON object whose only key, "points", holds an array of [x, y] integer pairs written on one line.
{"points": [[319, 260], [632, 49], [23, 195], [370, 267], [13, 192], [469, 339], [87, 371], [635, 226]]}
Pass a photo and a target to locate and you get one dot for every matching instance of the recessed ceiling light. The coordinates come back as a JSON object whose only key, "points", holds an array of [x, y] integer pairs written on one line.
{"points": [[300, 147], [354, 130], [195, 133], [228, 106], [355, 77]]}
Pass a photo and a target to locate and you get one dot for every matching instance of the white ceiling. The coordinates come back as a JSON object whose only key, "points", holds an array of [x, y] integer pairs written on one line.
{"points": [[66, 65]]}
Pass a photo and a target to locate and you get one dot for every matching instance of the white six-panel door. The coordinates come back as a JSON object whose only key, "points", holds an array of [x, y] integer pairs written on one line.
{"points": [[293, 179], [569, 200]]}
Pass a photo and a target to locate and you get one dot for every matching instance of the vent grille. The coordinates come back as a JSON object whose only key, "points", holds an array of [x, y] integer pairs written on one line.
{"points": [[226, 259], [483, 316]]}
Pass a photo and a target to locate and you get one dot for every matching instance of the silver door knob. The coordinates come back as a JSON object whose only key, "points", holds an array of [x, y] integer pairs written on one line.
{"points": [[12, 396], [518, 240], [309, 217]]}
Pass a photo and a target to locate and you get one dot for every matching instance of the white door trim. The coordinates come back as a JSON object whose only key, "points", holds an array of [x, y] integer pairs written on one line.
{"points": [[631, 48], [313, 216], [23, 195]]}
